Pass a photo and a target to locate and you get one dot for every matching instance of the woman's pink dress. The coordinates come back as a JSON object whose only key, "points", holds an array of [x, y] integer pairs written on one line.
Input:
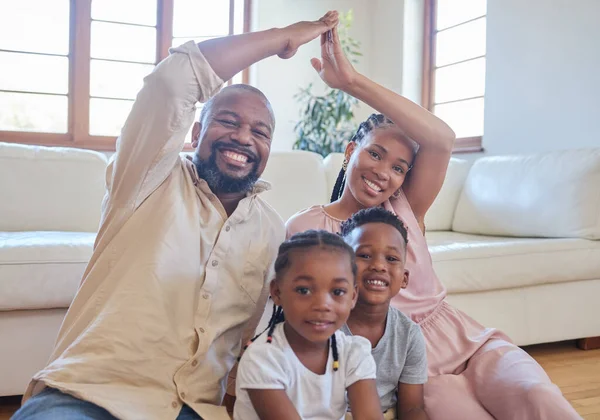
{"points": [[475, 372]]}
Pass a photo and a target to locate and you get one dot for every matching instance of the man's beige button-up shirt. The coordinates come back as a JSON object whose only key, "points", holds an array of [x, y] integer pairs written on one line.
{"points": [[173, 283]]}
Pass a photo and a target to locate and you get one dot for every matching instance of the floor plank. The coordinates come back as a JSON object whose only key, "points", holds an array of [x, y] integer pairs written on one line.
{"points": [[8, 405], [576, 372]]}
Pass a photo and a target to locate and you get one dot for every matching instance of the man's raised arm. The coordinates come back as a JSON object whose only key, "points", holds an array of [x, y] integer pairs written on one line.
{"points": [[164, 109]]}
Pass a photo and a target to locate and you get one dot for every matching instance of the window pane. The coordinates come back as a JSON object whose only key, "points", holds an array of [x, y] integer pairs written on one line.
{"points": [[141, 12], [28, 112], [237, 78], [123, 42], [117, 80], [460, 81], [176, 42], [238, 18], [22, 72], [453, 12], [460, 43], [465, 118], [35, 25], [200, 18], [107, 116]]}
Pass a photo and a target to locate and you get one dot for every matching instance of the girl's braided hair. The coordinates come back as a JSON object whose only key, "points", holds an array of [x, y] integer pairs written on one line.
{"points": [[304, 240]]}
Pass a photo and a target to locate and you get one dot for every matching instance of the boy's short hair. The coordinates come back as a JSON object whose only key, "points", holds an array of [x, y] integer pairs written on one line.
{"points": [[374, 215]]}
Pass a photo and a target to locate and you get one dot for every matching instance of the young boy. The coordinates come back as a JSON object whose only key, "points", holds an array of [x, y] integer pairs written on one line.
{"points": [[379, 241]]}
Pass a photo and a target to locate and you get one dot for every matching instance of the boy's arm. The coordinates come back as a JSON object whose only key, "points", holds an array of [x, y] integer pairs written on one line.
{"points": [[411, 402]]}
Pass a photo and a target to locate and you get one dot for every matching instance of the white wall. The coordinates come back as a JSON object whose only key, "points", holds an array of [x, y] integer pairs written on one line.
{"points": [[412, 50], [542, 83], [386, 48]]}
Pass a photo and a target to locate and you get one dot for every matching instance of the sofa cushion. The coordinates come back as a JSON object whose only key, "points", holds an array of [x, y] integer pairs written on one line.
{"points": [[50, 188], [41, 270], [441, 214], [549, 195], [472, 263], [333, 164], [298, 180]]}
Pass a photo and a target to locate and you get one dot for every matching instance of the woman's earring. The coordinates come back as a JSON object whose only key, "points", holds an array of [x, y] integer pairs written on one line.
{"points": [[343, 183], [397, 193]]}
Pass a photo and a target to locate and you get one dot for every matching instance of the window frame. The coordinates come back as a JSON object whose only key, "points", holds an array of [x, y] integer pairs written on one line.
{"points": [[80, 21], [462, 144]]}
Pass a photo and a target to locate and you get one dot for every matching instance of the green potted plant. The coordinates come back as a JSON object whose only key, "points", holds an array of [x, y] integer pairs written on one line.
{"points": [[326, 121]]}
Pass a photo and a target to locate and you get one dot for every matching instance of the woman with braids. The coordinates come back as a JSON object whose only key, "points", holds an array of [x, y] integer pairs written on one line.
{"points": [[303, 366], [399, 161]]}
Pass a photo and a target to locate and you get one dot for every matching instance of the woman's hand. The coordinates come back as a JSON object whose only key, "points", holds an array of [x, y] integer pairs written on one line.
{"points": [[334, 67], [300, 33]]}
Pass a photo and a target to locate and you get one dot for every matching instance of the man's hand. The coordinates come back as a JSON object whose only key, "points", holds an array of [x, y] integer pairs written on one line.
{"points": [[231, 54], [300, 33]]}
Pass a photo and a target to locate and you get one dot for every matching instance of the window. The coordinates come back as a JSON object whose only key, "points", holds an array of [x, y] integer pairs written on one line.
{"points": [[70, 69], [454, 67], [30, 102]]}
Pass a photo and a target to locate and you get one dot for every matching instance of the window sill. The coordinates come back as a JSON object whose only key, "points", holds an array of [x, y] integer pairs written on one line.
{"points": [[99, 143], [468, 145], [107, 143]]}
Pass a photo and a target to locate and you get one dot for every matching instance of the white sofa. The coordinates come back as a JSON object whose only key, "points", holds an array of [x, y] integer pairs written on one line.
{"points": [[515, 240]]}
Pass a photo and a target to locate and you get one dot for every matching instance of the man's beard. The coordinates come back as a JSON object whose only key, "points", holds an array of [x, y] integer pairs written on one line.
{"points": [[219, 182]]}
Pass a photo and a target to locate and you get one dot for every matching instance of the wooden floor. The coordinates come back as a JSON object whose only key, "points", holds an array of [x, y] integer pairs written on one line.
{"points": [[575, 371]]}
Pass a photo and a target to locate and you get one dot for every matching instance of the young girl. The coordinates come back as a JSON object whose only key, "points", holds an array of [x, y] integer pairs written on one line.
{"points": [[303, 366], [379, 241], [475, 372]]}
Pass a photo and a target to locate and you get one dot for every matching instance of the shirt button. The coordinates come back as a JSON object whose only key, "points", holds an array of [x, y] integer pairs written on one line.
{"points": [[228, 228], [174, 404], [182, 395], [205, 296], [194, 363], [201, 329], [215, 263]]}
